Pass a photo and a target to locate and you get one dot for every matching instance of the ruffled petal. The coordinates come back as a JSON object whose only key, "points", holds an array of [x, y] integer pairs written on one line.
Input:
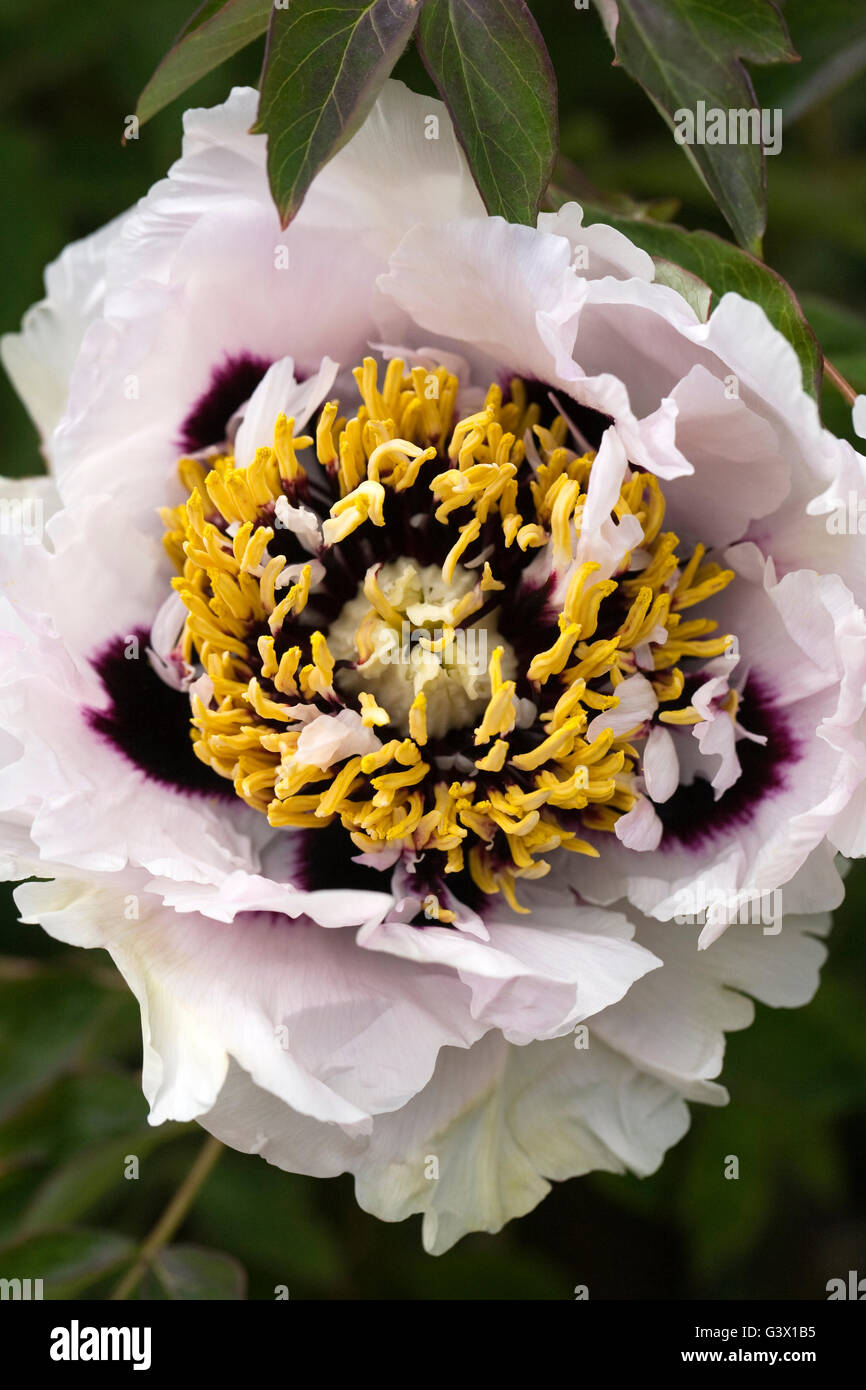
{"points": [[529, 983], [335, 1033], [703, 994], [481, 1145]]}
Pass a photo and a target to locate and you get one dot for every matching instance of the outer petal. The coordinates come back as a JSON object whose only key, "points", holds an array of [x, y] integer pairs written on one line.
{"points": [[84, 803], [824, 470], [335, 1033], [600, 250], [40, 358], [489, 287], [511, 301], [739, 472], [115, 301], [501, 1121], [480, 1145], [27, 504], [482, 1142], [672, 1024]]}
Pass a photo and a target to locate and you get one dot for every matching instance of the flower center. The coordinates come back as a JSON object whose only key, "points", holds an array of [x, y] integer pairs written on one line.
{"points": [[407, 641], [435, 633]]}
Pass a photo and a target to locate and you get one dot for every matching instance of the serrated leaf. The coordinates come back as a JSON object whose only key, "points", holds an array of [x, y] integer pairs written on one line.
{"points": [[493, 72], [324, 65], [67, 1261], [184, 1272], [685, 51], [725, 267], [217, 30]]}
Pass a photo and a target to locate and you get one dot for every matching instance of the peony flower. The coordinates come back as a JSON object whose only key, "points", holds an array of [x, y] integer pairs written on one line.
{"points": [[439, 671]]}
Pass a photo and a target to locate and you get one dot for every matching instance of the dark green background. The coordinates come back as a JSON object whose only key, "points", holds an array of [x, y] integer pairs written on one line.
{"points": [[69, 1041]]}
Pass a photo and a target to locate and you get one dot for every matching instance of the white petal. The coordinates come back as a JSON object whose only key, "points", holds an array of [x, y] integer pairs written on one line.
{"points": [[637, 703], [640, 828], [279, 392], [507, 292], [602, 250], [39, 359], [740, 472], [501, 1121], [661, 768], [307, 527], [27, 505], [376, 179], [336, 1033], [602, 538], [716, 737], [332, 737], [526, 982], [85, 804], [672, 1023]]}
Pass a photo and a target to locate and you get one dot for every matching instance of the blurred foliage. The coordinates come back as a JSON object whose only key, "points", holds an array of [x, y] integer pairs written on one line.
{"points": [[71, 1109]]}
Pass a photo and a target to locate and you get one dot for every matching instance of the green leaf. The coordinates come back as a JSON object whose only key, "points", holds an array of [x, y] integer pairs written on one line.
{"points": [[190, 1272], [685, 51], [67, 1261], [725, 267], [217, 30], [493, 72], [89, 1176], [44, 1024], [324, 66], [694, 291]]}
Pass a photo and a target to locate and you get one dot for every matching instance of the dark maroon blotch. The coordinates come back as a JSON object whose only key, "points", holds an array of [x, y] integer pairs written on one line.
{"points": [[148, 722], [231, 385], [692, 818]]}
